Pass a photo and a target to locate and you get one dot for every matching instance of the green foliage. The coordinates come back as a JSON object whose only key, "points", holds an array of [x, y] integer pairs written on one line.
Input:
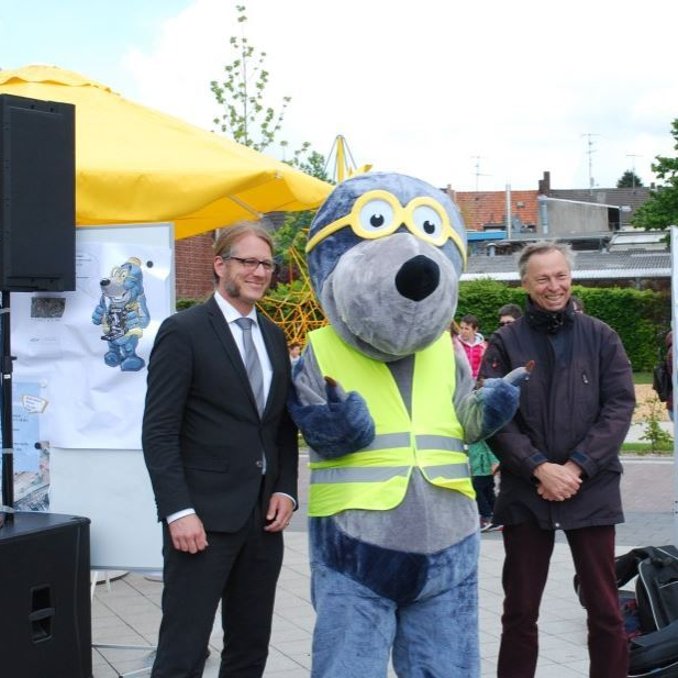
{"points": [[252, 123], [483, 298], [629, 180], [661, 209], [640, 317], [246, 117], [653, 433], [292, 233]]}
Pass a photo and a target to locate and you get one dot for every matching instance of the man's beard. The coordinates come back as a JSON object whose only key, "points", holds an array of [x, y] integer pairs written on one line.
{"points": [[234, 290]]}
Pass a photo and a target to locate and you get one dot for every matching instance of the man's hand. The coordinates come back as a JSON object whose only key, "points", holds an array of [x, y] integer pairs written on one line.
{"points": [[558, 482], [188, 534], [280, 508]]}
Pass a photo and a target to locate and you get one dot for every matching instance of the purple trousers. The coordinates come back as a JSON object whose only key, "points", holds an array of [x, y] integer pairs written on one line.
{"points": [[528, 552]]}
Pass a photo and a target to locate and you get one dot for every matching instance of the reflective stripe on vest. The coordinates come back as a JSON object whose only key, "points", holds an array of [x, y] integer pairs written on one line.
{"points": [[376, 477]]}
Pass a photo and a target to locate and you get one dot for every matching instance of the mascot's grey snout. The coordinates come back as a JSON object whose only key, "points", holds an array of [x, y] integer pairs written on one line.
{"points": [[418, 278]]}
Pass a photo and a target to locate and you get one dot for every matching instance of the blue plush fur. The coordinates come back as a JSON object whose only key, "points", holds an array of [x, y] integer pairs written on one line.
{"points": [[339, 427]]}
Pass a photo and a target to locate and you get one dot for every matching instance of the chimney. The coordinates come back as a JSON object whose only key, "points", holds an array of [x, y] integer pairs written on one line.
{"points": [[545, 184]]}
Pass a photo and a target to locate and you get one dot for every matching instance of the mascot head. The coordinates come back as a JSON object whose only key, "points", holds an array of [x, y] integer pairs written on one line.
{"points": [[385, 253]]}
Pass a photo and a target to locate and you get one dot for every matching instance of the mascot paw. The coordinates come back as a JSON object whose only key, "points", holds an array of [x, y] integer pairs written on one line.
{"points": [[340, 426], [500, 403]]}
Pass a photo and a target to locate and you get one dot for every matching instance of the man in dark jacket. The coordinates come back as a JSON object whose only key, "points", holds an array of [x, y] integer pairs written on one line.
{"points": [[560, 465], [222, 454]]}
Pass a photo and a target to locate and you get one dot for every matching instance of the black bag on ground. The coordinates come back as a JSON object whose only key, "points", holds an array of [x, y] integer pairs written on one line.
{"points": [[655, 654], [656, 586], [653, 631], [661, 381]]}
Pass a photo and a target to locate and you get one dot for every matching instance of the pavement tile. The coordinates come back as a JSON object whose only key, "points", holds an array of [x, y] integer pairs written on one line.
{"points": [[129, 612]]}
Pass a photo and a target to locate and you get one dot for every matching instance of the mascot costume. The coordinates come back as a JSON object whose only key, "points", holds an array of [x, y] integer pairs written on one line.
{"points": [[387, 407]]}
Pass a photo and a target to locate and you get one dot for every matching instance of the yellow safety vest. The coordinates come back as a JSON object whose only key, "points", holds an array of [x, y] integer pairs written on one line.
{"points": [[376, 477]]}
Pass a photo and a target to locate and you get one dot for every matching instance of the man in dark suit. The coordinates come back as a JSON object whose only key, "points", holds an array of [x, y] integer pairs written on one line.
{"points": [[222, 455]]}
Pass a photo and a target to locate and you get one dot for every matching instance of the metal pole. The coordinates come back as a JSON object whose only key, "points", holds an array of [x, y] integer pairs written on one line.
{"points": [[7, 424], [508, 211]]}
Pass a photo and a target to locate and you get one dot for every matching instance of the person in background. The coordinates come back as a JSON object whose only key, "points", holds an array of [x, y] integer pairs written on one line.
{"points": [[472, 342], [578, 305], [295, 353], [669, 363], [560, 467], [456, 341], [483, 466], [508, 314], [482, 462], [222, 454]]}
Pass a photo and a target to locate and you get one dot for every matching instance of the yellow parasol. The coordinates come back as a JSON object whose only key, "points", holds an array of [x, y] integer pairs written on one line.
{"points": [[135, 164]]}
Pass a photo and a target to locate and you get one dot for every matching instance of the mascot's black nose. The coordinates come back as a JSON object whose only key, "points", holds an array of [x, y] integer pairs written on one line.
{"points": [[417, 278], [105, 282]]}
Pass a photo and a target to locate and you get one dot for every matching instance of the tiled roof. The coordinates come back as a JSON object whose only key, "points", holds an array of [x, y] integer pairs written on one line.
{"points": [[632, 197], [489, 207], [587, 266]]}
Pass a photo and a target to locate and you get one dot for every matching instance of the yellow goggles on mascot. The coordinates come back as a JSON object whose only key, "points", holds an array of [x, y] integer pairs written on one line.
{"points": [[376, 214]]}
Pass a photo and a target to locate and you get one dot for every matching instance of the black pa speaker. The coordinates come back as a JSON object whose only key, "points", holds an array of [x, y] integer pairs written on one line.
{"points": [[45, 608], [37, 195]]}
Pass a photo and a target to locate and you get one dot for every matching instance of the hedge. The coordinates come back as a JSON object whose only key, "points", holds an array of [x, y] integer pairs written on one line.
{"points": [[641, 317]]}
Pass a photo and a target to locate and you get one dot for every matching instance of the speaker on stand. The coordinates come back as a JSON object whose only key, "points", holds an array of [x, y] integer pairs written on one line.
{"points": [[37, 225], [45, 609]]}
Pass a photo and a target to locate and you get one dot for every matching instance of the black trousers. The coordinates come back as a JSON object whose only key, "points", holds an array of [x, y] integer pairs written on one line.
{"points": [[240, 570], [484, 487]]}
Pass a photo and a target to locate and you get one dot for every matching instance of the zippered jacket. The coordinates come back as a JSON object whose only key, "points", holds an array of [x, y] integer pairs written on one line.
{"points": [[577, 405]]}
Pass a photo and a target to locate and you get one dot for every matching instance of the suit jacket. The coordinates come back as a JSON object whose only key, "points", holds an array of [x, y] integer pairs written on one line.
{"points": [[202, 435]]}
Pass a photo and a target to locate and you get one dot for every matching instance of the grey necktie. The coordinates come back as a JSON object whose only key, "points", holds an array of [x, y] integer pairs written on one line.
{"points": [[252, 364]]}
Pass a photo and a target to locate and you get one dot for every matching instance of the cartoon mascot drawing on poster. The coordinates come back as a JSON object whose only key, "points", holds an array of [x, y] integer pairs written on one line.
{"points": [[123, 315]]}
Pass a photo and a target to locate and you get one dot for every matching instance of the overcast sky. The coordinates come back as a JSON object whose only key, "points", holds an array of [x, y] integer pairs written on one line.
{"points": [[476, 95]]}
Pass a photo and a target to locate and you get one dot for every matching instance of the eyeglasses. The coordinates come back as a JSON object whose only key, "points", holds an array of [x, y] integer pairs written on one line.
{"points": [[251, 264], [378, 213]]}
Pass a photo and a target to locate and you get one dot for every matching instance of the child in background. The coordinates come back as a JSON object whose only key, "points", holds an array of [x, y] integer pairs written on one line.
{"points": [[482, 462], [483, 466], [472, 341]]}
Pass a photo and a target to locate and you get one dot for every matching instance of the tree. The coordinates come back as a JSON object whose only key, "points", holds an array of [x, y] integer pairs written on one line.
{"points": [[249, 121], [246, 117], [661, 209], [629, 180]]}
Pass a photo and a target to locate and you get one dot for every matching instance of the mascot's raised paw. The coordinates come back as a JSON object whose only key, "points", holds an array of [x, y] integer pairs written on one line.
{"points": [[339, 426], [123, 315]]}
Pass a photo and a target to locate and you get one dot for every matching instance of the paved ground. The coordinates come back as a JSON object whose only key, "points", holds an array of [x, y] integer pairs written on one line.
{"points": [[127, 612]]}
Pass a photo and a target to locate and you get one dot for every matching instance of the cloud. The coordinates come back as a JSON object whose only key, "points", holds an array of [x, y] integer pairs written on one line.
{"points": [[424, 88]]}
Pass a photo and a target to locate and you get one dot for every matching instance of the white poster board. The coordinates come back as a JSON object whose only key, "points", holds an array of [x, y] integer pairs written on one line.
{"points": [[81, 398]]}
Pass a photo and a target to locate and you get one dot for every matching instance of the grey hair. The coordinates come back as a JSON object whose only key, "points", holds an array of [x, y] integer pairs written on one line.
{"points": [[544, 247]]}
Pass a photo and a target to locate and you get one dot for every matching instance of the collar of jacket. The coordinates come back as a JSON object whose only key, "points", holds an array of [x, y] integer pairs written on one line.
{"points": [[550, 322]]}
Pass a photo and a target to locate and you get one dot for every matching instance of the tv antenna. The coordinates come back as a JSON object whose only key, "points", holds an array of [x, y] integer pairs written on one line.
{"points": [[477, 172], [633, 157], [590, 151]]}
